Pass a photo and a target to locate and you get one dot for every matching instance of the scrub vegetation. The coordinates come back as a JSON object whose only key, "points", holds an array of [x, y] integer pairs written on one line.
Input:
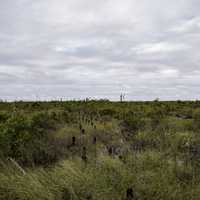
{"points": [[100, 150]]}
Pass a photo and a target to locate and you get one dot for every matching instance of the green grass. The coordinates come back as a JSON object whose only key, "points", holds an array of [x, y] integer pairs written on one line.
{"points": [[152, 148]]}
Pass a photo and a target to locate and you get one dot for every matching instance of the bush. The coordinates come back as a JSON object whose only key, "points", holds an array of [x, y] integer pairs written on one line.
{"points": [[196, 118], [134, 123]]}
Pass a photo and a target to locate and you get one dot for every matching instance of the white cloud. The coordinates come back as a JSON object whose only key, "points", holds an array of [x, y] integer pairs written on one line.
{"points": [[99, 48], [191, 25], [160, 47], [169, 73]]}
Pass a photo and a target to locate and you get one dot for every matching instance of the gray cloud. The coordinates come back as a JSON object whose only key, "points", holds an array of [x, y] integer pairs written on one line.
{"points": [[84, 48]]}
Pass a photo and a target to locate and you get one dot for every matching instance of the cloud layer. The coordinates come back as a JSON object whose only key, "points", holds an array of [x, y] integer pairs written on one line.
{"points": [[84, 48]]}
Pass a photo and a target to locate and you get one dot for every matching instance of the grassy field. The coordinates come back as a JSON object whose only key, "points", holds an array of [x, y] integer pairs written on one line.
{"points": [[100, 150]]}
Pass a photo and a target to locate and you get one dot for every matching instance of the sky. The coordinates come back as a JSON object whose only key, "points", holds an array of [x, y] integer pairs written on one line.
{"points": [[73, 49]]}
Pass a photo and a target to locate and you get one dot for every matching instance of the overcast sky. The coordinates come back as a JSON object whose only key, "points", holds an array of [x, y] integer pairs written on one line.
{"points": [[88, 48]]}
